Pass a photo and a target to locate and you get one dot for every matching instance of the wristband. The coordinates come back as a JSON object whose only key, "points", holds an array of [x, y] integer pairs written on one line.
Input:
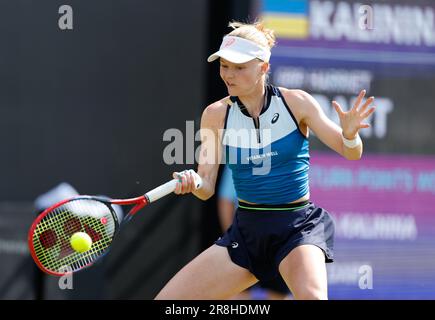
{"points": [[352, 143]]}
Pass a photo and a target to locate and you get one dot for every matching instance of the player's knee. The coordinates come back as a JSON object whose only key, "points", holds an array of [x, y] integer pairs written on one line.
{"points": [[311, 294], [161, 296], [165, 294]]}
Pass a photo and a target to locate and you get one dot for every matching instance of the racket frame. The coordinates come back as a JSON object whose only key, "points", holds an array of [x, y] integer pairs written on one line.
{"points": [[139, 203]]}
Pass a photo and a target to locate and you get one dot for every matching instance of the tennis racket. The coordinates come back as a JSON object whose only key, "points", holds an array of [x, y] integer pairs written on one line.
{"points": [[50, 234]]}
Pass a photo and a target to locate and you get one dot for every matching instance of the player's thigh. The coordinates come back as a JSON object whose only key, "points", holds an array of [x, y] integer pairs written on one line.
{"points": [[304, 271], [211, 275]]}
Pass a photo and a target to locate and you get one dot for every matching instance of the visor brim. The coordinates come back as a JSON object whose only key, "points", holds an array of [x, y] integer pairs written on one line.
{"points": [[231, 56]]}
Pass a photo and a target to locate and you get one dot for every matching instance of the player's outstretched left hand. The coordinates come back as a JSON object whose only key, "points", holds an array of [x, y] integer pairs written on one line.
{"points": [[352, 121]]}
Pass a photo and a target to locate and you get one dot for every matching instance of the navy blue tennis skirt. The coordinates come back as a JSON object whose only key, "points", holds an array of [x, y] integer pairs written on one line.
{"points": [[261, 236]]}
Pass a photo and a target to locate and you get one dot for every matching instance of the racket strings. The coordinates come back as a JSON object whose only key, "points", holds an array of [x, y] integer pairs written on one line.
{"points": [[51, 237]]}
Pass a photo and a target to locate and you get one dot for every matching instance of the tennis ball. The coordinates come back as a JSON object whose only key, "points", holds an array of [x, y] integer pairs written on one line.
{"points": [[81, 242]]}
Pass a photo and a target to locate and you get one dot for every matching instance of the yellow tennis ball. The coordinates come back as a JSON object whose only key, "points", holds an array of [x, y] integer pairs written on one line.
{"points": [[81, 242]]}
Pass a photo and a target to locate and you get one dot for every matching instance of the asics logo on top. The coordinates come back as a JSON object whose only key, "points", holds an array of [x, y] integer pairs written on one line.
{"points": [[275, 118]]}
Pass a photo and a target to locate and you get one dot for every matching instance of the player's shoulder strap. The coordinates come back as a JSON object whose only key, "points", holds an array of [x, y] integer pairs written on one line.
{"points": [[228, 102], [287, 106]]}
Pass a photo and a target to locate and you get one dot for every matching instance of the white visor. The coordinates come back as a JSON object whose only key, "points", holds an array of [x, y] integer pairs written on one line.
{"points": [[239, 50]]}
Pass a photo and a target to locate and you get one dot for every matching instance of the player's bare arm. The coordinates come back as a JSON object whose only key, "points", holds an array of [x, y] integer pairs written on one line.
{"points": [[212, 122], [310, 115]]}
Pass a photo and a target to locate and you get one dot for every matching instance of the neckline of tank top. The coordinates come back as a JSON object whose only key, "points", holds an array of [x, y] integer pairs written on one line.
{"points": [[242, 108]]}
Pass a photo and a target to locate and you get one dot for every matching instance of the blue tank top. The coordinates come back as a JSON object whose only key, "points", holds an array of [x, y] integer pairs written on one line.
{"points": [[268, 156]]}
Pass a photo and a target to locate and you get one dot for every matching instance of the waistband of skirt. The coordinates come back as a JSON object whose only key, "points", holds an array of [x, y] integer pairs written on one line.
{"points": [[274, 207]]}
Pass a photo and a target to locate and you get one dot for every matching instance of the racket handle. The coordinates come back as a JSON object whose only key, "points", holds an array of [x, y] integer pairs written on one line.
{"points": [[168, 188]]}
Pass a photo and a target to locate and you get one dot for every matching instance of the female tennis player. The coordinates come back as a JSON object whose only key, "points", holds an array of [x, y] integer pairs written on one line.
{"points": [[276, 229]]}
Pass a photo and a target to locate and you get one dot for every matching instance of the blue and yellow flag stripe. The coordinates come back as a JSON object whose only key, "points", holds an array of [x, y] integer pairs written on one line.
{"points": [[299, 7], [288, 18], [287, 27]]}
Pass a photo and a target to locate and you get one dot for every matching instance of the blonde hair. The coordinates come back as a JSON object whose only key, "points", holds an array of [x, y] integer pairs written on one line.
{"points": [[255, 32]]}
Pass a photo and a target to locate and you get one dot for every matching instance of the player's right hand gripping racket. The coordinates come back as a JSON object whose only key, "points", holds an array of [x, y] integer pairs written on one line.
{"points": [[50, 234]]}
